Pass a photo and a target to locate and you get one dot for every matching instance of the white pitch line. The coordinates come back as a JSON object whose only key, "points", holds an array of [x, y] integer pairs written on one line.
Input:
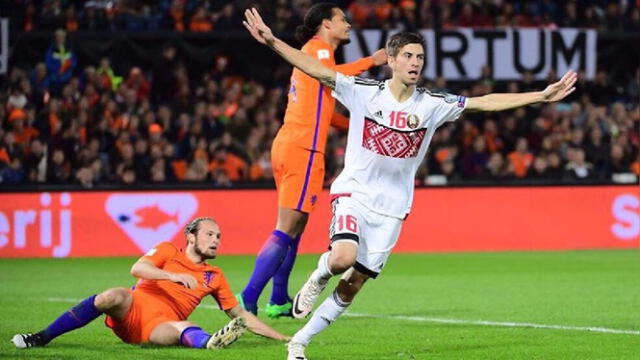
{"points": [[449, 321], [497, 323]]}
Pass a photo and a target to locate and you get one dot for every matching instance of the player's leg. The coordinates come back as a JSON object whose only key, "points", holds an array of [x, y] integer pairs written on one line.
{"points": [[114, 302], [273, 253], [289, 173], [191, 335], [280, 303], [328, 312], [378, 236], [345, 235]]}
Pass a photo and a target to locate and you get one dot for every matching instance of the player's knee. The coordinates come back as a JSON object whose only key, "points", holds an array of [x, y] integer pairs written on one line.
{"points": [[111, 298], [341, 262], [291, 222]]}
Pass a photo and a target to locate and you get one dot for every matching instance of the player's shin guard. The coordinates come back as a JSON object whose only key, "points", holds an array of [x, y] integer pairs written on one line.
{"points": [[267, 263], [323, 273], [330, 309], [194, 337], [280, 292], [76, 317]]}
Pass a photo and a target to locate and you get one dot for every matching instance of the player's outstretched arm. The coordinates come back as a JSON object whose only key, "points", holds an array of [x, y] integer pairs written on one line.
{"points": [[311, 66], [255, 325], [498, 102]]}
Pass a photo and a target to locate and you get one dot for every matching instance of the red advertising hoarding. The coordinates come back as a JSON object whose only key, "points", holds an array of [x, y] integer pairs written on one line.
{"points": [[76, 224]]}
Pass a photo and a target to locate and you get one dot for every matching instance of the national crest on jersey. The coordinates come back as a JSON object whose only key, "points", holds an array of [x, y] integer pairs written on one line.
{"points": [[388, 141]]}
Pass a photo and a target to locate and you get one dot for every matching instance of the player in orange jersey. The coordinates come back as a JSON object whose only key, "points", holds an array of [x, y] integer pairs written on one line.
{"points": [[297, 154], [172, 283]]}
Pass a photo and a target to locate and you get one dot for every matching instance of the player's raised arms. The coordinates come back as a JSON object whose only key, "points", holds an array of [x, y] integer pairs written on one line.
{"points": [[499, 102], [311, 66]]}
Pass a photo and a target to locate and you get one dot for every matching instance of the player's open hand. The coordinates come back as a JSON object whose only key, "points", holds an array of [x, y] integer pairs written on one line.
{"points": [[186, 280], [561, 89], [257, 28], [379, 57]]}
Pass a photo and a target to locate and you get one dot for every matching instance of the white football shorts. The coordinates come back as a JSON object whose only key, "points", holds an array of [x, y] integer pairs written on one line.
{"points": [[375, 234]]}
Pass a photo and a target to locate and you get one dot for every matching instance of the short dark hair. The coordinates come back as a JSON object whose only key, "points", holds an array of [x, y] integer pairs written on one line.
{"points": [[194, 225], [399, 40], [313, 19]]}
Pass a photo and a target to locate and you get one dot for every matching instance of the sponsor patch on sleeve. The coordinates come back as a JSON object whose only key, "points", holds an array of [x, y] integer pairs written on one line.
{"points": [[462, 100]]}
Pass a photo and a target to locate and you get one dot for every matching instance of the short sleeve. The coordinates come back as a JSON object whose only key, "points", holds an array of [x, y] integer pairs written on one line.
{"points": [[449, 107], [223, 294], [345, 90], [160, 253]]}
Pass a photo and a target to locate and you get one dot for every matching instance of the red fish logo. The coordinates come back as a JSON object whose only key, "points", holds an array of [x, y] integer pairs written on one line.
{"points": [[150, 218], [153, 217]]}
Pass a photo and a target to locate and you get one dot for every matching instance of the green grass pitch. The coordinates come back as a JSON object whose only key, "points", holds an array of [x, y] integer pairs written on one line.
{"points": [[422, 307]]}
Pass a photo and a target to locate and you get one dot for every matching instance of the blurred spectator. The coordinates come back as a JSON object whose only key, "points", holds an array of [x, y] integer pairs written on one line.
{"points": [[164, 82], [70, 19], [61, 62], [93, 18], [233, 166], [200, 20], [476, 159], [59, 171], [496, 168], [225, 19], [577, 167], [178, 14], [539, 169], [361, 13], [521, 158], [108, 78]]}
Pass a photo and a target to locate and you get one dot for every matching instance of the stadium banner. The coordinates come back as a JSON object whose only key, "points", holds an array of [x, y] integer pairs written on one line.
{"points": [[4, 45], [102, 223], [460, 54]]}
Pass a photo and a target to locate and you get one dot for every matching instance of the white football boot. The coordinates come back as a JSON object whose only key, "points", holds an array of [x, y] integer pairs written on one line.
{"points": [[306, 298], [295, 351]]}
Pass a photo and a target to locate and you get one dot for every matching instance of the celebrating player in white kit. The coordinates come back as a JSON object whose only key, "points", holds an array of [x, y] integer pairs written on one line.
{"points": [[390, 127]]}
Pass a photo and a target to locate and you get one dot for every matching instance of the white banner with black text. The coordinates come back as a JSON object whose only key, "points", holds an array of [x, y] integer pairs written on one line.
{"points": [[461, 54]]}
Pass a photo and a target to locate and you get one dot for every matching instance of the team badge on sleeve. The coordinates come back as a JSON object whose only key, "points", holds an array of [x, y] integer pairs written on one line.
{"points": [[462, 100], [452, 99], [323, 54]]}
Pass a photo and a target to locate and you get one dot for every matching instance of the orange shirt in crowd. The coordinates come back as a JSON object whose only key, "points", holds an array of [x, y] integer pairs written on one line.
{"points": [[234, 166], [520, 162], [200, 25], [24, 137], [4, 156], [383, 11], [360, 12]]}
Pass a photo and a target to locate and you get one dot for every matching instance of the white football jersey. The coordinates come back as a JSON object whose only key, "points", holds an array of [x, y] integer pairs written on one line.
{"points": [[387, 140]]}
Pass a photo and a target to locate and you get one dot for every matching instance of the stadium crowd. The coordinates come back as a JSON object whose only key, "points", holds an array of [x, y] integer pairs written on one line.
{"points": [[223, 15], [61, 124]]}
